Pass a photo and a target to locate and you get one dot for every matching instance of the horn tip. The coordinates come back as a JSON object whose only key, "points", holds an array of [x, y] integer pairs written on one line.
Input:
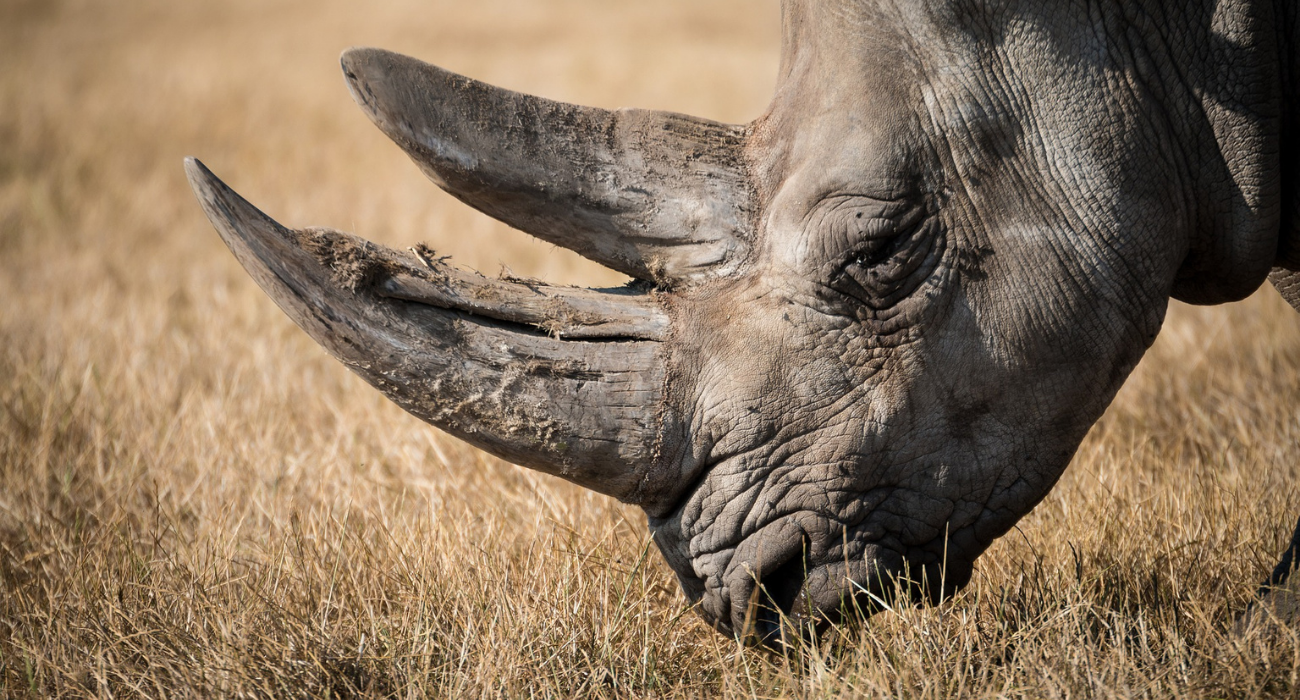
{"points": [[353, 60], [362, 68], [355, 56], [233, 216], [196, 171]]}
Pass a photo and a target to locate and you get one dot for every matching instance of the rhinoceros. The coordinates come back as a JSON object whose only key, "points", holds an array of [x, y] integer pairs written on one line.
{"points": [[866, 332]]}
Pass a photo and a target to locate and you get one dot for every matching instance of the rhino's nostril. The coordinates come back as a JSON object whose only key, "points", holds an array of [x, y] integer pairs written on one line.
{"points": [[783, 585], [767, 626], [777, 593]]}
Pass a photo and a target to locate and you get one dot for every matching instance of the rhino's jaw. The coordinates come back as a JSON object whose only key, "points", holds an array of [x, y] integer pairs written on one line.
{"points": [[564, 380]]}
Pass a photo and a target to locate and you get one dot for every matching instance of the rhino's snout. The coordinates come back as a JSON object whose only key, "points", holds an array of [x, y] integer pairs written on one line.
{"points": [[801, 574]]}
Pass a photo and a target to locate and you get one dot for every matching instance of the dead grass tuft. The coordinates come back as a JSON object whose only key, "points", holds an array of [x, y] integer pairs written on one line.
{"points": [[195, 501]]}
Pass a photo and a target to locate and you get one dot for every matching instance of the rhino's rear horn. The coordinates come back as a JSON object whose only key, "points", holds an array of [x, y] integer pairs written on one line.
{"points": [[567, 381], [657, 196]]}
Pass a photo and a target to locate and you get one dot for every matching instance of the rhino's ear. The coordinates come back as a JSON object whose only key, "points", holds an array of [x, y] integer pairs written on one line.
{"points": [[656, 196]]}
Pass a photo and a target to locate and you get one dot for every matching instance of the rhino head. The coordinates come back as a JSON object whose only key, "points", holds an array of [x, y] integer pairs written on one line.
{"points": [[866, 332]]}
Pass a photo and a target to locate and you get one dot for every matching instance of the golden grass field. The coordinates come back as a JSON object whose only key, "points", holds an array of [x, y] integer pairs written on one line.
{"points": [[195, 500]]}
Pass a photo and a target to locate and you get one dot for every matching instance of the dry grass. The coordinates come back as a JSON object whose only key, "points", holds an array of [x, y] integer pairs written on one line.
{"points": [[196, 501]]}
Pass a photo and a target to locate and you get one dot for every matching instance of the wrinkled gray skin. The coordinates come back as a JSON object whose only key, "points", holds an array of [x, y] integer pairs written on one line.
{"points": [[869, 330]]}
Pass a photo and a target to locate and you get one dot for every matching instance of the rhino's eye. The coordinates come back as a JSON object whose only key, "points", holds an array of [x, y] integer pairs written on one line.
{"points": [[876, 254], [883, 258]]}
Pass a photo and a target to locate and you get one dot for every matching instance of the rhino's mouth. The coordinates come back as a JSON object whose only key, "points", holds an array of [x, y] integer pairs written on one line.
{"points": [[566, 380], [795, 575], [774, 602]]}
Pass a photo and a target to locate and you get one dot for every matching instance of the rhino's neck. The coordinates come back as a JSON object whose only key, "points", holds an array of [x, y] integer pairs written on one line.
{"points": [[1228, 59]]}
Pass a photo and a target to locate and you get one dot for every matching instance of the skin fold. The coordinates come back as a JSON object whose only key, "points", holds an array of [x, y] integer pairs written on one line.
{"points": [[866, 332]]}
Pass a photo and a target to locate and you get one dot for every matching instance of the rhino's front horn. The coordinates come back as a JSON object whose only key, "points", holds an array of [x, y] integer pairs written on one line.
{"points": [[656, 196], [566, 381]]}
